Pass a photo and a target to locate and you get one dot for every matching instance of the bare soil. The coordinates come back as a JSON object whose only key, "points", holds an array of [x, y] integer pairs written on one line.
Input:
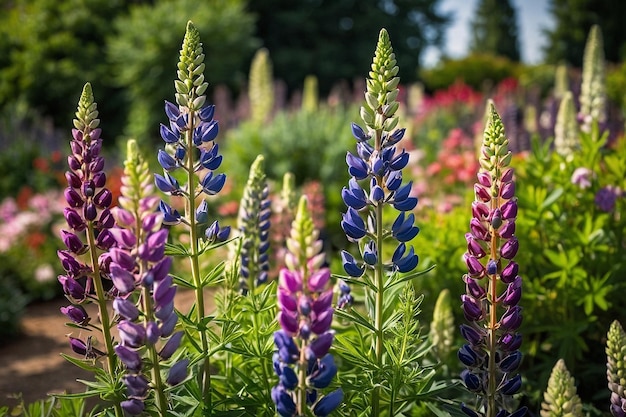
{"points": [[31, 365]]}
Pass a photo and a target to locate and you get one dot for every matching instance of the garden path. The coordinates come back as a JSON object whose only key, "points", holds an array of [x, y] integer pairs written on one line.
{"points": [[31, 364]]}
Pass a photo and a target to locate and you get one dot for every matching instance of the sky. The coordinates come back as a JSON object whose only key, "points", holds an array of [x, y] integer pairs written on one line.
{"points": [[532, 16]]}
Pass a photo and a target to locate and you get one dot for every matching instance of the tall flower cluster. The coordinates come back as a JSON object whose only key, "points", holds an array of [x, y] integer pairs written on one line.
{"points": [[190, 136], [191, 150], [493, 285], [89, 220], [376, 174], [302, 361], [593, 87], [376, 182], [560, 399], [140, 272], [616, 368], [254, 224], [566, 135]]}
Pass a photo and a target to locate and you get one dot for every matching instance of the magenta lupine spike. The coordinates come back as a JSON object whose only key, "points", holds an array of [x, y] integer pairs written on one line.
{"points": [[305, 296], [490, 305]]}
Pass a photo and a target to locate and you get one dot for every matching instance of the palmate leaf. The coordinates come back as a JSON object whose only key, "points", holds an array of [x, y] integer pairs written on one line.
{"points": [[215, 276], [176, 249]]}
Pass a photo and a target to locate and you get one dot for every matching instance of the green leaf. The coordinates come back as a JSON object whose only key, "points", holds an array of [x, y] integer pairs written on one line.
{"points": [[176, 249], [354, 316], [551, 199], [87, 365]]}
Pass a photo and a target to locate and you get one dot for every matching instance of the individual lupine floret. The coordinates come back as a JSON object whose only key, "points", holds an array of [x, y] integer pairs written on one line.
{"points": [[89, 219], [616, 368], [254, 224], [493, 286], [566, 135], [302, 361], [593, 86], [140, 272], [560, 398]]}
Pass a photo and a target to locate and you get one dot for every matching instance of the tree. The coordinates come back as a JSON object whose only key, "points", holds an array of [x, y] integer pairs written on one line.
{"points": [[494, 29], [573, 20], [332, 39], [146, 43]]}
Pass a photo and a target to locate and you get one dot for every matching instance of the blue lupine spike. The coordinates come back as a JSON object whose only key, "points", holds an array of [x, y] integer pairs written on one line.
{"points": [[403, 192]]}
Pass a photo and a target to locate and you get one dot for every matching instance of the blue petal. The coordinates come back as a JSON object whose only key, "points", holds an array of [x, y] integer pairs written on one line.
{"points": [[206, 113], [325, 373], [359, 133], [406, 205], [167, 135], [213, 185], [350, 265], [166, 161], [328, 403], [356, 166]]}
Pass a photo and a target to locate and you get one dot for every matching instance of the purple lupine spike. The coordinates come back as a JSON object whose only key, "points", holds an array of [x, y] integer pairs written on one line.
{"points": [[492, 245]]}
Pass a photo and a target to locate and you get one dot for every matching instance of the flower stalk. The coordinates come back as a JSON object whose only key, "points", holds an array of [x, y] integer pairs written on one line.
{"points": [[87, 215], [491, 353], [378, 164], [190, 146]]}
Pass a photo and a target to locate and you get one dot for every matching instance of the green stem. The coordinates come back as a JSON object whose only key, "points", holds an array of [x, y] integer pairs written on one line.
{"points": [[259, 344], [102, 308], [156, 368], [379, 282], [492, 295], [205, 375]]}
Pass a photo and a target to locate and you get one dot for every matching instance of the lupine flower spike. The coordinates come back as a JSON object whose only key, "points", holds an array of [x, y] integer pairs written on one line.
{"points": [[254, 224], [145, 305], [560, 399], [302, 361], [191, 148], [593, 86], [376, 182], [566, 135], [493, 285], [89, 220], [616, 368]]}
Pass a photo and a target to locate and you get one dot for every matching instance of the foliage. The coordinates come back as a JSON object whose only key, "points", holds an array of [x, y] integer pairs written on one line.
{"points": [[476, 70], [50, 48], [574, 18], [495, 30], [291, 32], [226, 29], [12, 303], [308, 138], [573, 262]]}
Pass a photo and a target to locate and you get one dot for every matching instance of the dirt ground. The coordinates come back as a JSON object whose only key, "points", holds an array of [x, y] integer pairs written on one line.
{"points": [[31, 365]]}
